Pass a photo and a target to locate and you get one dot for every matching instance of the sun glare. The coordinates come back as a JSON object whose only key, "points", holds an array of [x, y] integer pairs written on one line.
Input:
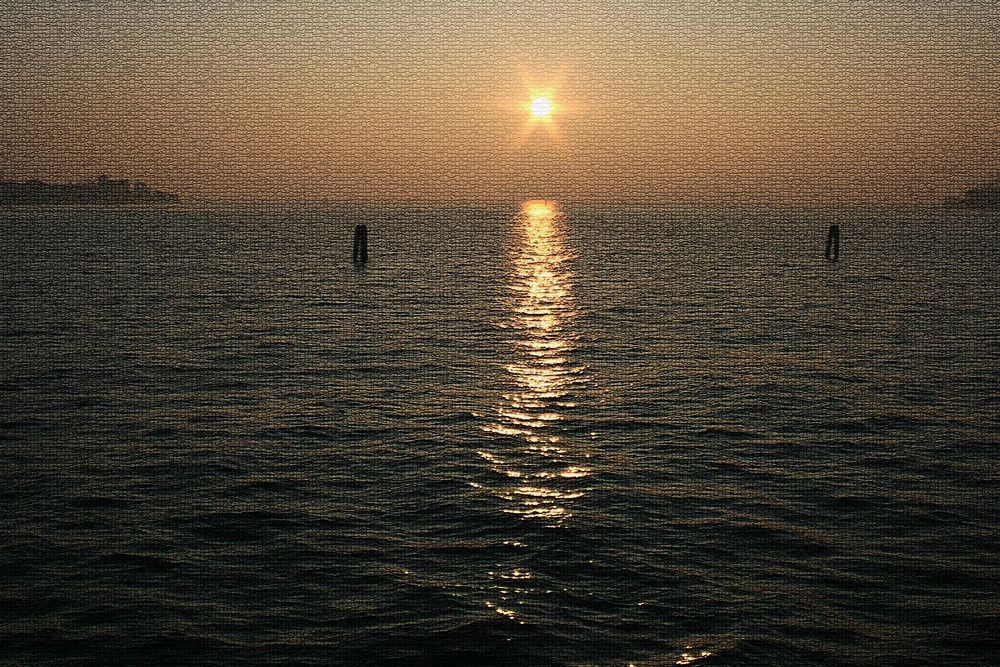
{"points": [[541, 107], [539, 208]]}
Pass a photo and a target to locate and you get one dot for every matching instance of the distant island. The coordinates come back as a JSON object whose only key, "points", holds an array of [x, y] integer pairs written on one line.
{"points": [[985, 196], [101, 191]]}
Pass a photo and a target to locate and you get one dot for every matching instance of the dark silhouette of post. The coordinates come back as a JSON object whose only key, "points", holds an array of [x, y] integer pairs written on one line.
{"points": [[833, 243], [361, 244]]}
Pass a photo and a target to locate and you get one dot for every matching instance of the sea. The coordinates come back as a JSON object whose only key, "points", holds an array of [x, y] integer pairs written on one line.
{"points": [[530, 434]]}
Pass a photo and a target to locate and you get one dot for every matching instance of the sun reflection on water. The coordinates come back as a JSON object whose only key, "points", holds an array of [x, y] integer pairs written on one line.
{"points": [[537, 467], [541, 312]]}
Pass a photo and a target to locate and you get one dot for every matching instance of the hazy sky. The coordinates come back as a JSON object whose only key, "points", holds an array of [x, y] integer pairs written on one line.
{"points": [[424, 101]]}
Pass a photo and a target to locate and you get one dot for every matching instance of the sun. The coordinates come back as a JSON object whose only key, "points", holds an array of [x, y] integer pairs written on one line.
{"points": [[541, 107], [544, 110]]}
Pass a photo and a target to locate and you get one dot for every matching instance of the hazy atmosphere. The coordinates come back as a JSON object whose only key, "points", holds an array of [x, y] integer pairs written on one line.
{"points": [[766, 102], [500, 334]]}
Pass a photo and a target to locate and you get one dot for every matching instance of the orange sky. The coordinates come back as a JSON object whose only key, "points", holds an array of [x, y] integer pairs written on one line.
{"points": [[425, 101]]}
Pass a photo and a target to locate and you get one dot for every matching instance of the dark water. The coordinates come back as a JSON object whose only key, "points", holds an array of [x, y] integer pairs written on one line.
{"points": [[598, 438]]}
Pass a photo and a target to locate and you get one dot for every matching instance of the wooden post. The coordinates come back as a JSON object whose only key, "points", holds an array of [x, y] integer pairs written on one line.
{"points": [[361, 244], [833, 243]]}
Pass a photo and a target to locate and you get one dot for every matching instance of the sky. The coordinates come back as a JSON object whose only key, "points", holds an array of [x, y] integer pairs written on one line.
{"points": [[411, 102]]}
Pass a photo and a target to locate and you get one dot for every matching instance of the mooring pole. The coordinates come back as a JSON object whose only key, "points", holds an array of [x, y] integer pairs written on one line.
{"points": [[833, 243], [361, 244]]}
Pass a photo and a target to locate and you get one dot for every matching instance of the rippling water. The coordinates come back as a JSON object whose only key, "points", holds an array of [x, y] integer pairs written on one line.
{"points": [[578, 436]]}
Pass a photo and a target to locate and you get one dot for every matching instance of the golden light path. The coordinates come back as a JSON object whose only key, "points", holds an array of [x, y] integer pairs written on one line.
{"points": [[537, 472], [540, 319]]}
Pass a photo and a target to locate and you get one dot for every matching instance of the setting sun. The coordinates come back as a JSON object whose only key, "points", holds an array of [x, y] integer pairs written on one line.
{"points": [[543, 111], [541, 107]]}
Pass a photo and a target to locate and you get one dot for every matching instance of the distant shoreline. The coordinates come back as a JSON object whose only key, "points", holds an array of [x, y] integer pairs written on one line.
{"points": [[984, 197], [102, 192]]}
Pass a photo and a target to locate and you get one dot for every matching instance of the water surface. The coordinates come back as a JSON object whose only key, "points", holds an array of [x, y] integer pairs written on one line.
{"points": [[577, 435]]}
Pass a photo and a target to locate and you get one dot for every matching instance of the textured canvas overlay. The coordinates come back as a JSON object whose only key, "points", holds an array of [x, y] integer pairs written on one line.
{"points": [[499, 333]]}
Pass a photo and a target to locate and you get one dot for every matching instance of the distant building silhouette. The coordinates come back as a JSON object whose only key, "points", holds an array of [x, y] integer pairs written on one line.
{"points": [[985, 196], [101, 191]]}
